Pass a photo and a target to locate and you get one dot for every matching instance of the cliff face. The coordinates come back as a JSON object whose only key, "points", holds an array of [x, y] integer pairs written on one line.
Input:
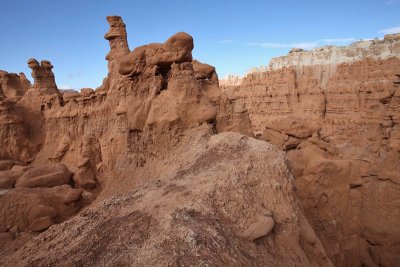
{"points": [[146, 155], [335, 110], [142, 151]]}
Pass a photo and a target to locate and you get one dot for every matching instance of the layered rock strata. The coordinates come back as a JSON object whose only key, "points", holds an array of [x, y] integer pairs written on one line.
{"points": [[163, 186], [335, 110]]}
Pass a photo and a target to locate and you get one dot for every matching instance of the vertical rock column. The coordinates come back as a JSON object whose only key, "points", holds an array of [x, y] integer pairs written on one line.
{"points": [[44, 80], [117, 37]]}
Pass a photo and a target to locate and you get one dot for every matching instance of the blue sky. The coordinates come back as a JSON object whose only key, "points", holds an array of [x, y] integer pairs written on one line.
{"points": [[232, 35]]}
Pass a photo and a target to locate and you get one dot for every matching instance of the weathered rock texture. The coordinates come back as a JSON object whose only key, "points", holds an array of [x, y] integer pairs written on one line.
{"points": [[335, 110], [165, 188], [13, 85], [229, 202], [43, 76], [143, 150], [119, 48]]}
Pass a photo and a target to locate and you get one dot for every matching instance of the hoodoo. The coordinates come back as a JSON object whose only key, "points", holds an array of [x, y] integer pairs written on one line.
{"points": [[158, 166]]}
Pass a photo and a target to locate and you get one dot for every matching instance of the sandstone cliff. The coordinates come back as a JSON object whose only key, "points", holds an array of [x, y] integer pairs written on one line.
{"points": [[140, 171], [335, 110], [143, 152]]}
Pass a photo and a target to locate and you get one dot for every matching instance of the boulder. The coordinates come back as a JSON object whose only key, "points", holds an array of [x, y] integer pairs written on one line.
{"points": [[45, 176]]}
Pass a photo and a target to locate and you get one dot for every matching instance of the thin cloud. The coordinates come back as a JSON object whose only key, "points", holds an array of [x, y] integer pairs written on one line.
{"points": [[71, 76], [390, 30], [225, 41], [337, 40], [305, 45], [65, 87], [392, 2]]}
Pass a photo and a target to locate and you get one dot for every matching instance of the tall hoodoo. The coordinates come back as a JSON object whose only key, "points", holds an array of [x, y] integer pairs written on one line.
{"points": [[117, 38], [44, 80]]}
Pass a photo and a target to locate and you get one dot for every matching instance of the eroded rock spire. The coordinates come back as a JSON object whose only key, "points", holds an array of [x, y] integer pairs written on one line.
{"points": [[117, 38], [44, 80]]}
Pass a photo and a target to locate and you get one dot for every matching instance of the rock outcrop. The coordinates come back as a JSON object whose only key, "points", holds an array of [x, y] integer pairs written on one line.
{"points": [[214, 208], [143, 151], [119, 48], [14, 137], [44, 81], [31, 200], [13, 85], [163, 183], [335, 111]]}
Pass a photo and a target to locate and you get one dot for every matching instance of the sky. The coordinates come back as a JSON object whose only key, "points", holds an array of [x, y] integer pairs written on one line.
{"points": [[233, 36]]}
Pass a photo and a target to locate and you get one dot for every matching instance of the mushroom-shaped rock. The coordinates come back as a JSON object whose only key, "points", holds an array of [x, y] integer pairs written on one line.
{"points": [[177, 49], [204, 71], [119, 48], [44, 80], [33, 64], [117, 37]]}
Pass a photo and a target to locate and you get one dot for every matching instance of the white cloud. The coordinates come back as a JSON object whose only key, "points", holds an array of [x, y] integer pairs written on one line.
{"points": [[305, 45], [225, 41], [64, 87], [337, 40], [390, 30]]}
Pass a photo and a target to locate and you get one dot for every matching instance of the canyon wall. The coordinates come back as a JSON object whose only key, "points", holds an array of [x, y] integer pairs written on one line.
{"points": [[336, 111], [146, 169], [135, 173]]}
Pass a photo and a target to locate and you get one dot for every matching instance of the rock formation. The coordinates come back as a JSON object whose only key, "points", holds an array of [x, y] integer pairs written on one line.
{"points": [[149, 134], [216, 208], [151, 156], [14, 137], [119, 48], [43, 76], [13, 85], [335, 111]]}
